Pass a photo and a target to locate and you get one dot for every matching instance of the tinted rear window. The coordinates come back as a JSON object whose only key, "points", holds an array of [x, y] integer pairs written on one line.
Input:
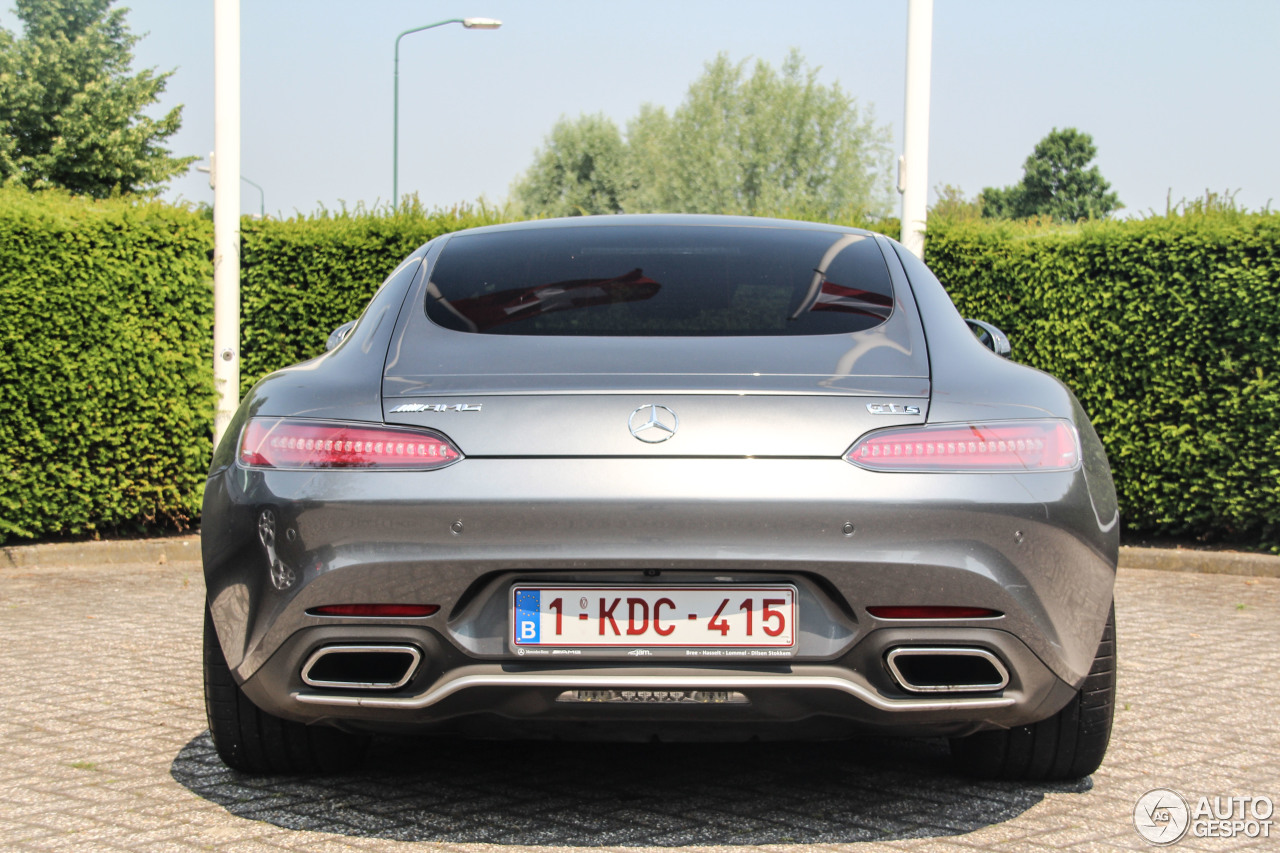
{"points": [[660, 280]]}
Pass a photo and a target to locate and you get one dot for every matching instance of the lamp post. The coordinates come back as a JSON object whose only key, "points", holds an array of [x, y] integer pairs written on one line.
{"points": [[469, 23], [213, 183], [262, 197], [913, 166], [226, 213]]}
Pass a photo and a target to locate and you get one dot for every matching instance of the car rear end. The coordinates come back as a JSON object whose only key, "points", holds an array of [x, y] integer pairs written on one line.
{"points": [[656, 477]]}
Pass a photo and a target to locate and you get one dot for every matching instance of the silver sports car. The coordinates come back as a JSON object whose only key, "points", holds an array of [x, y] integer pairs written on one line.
{"points": [[661, 476]]}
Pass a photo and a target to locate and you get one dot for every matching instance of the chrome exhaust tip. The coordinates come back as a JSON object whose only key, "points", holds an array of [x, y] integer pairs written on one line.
{"points": [[946, 669], [384, 667]]}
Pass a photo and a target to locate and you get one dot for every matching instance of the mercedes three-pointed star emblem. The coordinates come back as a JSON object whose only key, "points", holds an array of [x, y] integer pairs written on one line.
{"points": [[652, 423]]}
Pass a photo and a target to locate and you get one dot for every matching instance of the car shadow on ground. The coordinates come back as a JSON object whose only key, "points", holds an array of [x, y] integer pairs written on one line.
{"points": [[592, 794]]}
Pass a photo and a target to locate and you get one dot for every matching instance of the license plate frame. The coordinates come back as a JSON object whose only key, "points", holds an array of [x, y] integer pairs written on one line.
{"points": [[714, 620]]}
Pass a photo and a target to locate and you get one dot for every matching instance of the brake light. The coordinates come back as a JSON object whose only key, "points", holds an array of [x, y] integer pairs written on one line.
{"points": [[932, 612], [1048, 445], [289, 443], [383, 610]]}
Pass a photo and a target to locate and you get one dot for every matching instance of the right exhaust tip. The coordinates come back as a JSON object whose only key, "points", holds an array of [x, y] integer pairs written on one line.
{"points": [[946, 669]]}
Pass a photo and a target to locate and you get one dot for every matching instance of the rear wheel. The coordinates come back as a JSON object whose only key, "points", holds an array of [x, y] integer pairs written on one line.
{"points": [[1068, 745], [251, 740]]}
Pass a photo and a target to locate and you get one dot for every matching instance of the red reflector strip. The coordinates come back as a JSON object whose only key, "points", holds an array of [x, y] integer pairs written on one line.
{"points": [[285, 443], [1048, 445], [908, 612], [399, 610]]}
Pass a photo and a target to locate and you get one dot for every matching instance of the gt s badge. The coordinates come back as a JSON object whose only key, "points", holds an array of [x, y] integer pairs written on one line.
{"points": [[437, 407], [892, 409]]}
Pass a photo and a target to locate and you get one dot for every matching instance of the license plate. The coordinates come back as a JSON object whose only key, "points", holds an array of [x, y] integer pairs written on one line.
{"points": [[677, 616]]}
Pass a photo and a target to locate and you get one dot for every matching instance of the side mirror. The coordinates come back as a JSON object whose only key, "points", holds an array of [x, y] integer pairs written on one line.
{"points": [[990, 337], [339, 335]]}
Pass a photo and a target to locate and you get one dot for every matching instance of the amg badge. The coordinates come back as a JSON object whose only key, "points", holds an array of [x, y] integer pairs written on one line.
{"points": [[437, 407]]}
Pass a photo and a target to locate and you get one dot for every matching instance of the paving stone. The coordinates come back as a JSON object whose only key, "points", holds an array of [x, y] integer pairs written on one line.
{"points": [[103, 747]]}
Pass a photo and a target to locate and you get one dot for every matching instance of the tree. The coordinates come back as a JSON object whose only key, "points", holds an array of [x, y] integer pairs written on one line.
{"points": [[579, 171], [765, 143], [71, 111], [1056, 183], [952, 205]]}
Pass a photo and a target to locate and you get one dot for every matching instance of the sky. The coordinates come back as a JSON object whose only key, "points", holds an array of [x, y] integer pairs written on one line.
{"points": [[1180, 97]]}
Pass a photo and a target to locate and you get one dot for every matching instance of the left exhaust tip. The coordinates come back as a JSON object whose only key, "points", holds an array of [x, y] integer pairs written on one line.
{"points": [[351, 667]]}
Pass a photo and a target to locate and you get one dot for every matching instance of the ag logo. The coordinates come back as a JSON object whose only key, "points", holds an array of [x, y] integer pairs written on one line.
{"points": [[1161, 816]]}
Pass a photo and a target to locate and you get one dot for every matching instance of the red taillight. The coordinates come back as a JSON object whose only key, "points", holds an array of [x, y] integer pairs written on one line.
{"points": [[288, 443], [384, 610], [1048, 445], [933, 612]]}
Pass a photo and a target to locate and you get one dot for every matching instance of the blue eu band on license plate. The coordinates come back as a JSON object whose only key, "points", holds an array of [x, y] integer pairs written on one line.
{"points": [[724, 617], [527, 617]]}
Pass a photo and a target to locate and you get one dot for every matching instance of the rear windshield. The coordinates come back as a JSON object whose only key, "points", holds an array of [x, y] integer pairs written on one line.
{"points": [[660, 280]]}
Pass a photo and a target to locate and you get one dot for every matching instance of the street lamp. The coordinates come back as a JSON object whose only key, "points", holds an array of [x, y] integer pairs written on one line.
{"points": [[262, 195], [469, 23]]}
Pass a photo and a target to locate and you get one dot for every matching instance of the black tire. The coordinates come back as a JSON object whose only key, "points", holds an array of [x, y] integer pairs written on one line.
{"points": [[1069, 745], [250, 740]]}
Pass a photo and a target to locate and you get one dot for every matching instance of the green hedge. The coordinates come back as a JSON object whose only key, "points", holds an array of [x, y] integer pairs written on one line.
{"points": [[1167, 329], [301, 278], [106, 393], [106, 323]]}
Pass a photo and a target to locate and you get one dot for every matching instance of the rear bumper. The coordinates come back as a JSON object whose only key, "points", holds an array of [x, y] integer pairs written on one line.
{"points": [[856, 692], [1029, 546]]}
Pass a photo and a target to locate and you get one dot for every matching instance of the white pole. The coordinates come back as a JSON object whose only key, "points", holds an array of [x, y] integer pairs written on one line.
{"points": [[225, 176], [913, 177]]}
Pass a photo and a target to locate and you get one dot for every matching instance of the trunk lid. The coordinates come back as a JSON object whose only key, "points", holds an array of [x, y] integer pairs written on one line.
{"points": [[635, 336], [530, 396]]}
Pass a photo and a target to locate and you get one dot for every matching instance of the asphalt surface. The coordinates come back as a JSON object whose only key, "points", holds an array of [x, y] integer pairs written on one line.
{"points": [[103, 746]]}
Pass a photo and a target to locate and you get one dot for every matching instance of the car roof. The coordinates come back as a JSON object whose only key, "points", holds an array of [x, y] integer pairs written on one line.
{"points": [[637, 220]]}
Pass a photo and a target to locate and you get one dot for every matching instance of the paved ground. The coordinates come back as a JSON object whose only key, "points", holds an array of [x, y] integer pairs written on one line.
{"points": [[103, 746]]}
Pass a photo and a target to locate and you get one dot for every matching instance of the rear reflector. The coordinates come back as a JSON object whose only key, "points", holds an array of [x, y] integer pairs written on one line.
{"points": [[384, 610], [289, 443], [1048, 445], [933, 612]]}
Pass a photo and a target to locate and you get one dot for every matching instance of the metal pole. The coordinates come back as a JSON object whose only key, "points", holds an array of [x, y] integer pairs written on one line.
{"points": [[913, 179], [262, 197], [395, 112], [226, 212]]}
